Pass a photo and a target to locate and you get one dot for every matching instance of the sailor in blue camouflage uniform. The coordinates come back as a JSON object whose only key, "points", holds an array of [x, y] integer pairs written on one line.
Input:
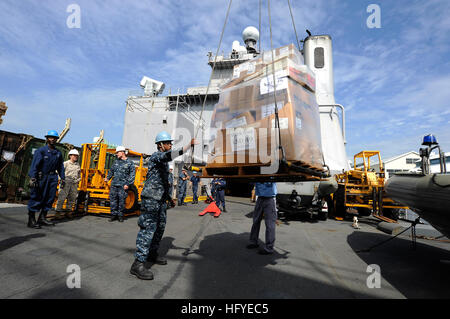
{"points": [[182, 186], [152, 221], [123, 173], [47, 164], [213, 188], [171, 202], [220, 185], [195, 180]]}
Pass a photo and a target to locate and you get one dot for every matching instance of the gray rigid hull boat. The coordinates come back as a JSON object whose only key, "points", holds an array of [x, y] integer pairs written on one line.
{"points": [[426, 193]]}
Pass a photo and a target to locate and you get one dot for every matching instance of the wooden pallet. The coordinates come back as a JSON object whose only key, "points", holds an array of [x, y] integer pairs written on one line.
{"points": [[252, 172]]}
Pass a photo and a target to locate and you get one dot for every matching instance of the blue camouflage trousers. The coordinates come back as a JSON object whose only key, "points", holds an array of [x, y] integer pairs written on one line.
{"points": [[181, 194], [117, 196], [194, 193], [220, 198], [152, 223], [43, 196]]}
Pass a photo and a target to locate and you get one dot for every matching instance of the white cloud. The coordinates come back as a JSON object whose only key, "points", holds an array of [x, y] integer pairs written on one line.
{"points": [[394, 87], [90, 110]]}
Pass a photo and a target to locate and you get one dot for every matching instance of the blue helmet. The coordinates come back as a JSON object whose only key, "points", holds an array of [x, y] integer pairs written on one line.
{"points": [[163, 137], [52, 133]]}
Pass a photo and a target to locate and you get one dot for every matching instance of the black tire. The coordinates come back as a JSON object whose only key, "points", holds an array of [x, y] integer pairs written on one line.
{"points": [[80, 199], [322, 215], [86, 202], [339, 202], [330, 204], [132, 200]]}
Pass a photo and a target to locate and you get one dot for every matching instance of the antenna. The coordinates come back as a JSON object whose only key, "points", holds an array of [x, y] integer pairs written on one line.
{"points": [[250, 35], [152, 87]]}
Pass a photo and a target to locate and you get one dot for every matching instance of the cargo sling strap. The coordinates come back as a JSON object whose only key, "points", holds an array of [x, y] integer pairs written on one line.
{"points": [[209, 83]]}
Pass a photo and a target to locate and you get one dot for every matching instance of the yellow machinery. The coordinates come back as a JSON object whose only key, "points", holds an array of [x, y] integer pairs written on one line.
{"points": [[93, 191], [362, 189]]}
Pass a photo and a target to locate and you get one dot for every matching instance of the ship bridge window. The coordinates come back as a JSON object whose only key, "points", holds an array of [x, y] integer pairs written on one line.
{"points": [[319, 58]]}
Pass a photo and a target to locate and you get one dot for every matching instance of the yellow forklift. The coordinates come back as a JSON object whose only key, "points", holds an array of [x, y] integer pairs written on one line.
{"points": [[361, 190], [93, 191]]}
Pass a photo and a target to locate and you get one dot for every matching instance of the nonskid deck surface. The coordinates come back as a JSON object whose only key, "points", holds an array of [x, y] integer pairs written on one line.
{"points": [[208, 258]]}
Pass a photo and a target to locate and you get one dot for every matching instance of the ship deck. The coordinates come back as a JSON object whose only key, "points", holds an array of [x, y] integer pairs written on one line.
{"points": [[208, 258]]}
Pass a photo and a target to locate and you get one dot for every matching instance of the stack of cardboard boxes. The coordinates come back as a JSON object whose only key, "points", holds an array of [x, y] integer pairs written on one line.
{"points": [[244, 129]]}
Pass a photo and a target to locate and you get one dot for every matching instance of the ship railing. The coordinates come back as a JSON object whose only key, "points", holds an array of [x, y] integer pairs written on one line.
{"points": [[230, 56]]}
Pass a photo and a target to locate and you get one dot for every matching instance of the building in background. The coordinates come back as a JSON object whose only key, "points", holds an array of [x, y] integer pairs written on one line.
{"points": [[400, 163], [435, 166]]}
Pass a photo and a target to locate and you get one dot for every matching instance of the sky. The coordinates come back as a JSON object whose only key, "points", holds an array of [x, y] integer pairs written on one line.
{"points": [[393, 80]]}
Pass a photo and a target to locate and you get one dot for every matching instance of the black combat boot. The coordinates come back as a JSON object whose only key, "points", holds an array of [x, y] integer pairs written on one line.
{"points": [[154, 258], [139, 270], [113, 218], [42, 220], [32, 221]]}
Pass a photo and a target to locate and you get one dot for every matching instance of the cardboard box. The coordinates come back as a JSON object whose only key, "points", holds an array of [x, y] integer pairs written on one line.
{"points": [[251, 69], [246, 111], [286, 68], [242, 119]]}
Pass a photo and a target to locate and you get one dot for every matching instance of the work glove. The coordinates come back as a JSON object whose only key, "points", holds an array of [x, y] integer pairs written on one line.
{"points": [[33, 183], [62, 183]]}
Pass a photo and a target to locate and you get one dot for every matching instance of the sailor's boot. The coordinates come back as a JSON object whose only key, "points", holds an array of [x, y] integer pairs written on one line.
{"points": [[32, 220], [42, 220], [139, 270], [154, 258]]}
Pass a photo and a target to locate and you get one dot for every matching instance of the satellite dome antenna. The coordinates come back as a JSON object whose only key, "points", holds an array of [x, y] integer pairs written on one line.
{"points": [[250, 35]]}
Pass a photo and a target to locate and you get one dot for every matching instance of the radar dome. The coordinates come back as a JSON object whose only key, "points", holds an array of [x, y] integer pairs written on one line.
{"points": [[250, 33]]}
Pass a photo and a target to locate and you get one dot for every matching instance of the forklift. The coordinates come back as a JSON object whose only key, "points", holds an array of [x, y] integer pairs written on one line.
{"points": [[361, 191], [93, 191]]}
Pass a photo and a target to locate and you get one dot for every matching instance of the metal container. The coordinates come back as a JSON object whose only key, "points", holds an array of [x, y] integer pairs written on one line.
{"points": [[16, 155]]}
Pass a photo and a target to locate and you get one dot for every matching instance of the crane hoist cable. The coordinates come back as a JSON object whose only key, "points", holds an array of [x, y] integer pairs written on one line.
{"points": [[299, 49], [210, 78], [259, 27], [277, 119], [293, 24]]}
